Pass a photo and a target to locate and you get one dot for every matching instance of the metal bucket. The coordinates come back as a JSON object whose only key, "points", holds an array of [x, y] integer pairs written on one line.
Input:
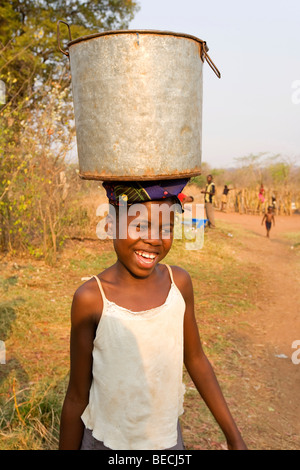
{"points": [[138, 104]]}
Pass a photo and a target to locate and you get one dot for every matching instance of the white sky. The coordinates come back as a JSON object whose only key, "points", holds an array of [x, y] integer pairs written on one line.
{"points": [[256, 46]]}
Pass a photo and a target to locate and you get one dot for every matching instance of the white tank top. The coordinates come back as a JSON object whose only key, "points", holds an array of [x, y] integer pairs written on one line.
{"points": [[137, 392]]}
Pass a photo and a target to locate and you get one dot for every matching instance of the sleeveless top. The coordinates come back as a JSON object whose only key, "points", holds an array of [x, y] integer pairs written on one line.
{"points": [[137, 392]]}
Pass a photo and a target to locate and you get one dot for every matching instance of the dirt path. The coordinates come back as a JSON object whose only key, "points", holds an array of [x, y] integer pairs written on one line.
{"points": [[274, 326]]}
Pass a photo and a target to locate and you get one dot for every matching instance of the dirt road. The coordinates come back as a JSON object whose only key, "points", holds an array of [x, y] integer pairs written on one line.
{"points": [[273, 379]]}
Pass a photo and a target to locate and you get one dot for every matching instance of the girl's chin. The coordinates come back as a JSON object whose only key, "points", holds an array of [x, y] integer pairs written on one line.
{"points": [[140, 268]]}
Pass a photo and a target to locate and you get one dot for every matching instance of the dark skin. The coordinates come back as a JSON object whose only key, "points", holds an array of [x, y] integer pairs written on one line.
{"points": [[137, 284], [268, 217], [187, 200]]}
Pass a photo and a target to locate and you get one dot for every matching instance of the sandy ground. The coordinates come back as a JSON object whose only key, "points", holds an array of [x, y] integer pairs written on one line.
{"points": [[274, 326]]}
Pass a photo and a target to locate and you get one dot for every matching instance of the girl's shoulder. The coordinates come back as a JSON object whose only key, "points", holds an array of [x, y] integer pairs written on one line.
{"points": [[182, 280], [87, 302]]}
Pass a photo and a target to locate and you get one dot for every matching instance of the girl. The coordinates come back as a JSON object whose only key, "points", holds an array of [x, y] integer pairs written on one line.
{"points": [[131, 328]]}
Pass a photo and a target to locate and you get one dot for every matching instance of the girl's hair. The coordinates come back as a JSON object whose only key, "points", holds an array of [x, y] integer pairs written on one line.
{"points": [[114, 208]]}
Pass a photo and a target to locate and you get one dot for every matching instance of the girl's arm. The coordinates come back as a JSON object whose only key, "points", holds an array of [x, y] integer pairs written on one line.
{"points": [[83, 327], [200, 369]]}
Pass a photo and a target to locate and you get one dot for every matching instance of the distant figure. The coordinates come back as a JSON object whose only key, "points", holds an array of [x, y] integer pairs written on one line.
{"points": [[261, 193], [224, 197], [274, 202], [183, 198], [269, 217], [261, 197], [210, 192]]}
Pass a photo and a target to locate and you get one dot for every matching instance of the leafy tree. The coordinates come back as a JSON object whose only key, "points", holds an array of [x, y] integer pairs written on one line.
{"points": [[28, 35], [36, 126], [280, 172]]}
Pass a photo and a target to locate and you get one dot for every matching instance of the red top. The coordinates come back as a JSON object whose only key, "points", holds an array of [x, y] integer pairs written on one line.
{"points": [[181, 196]]}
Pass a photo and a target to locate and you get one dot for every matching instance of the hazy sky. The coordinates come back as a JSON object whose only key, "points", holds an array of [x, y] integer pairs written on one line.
{"points": [[255, 107]]}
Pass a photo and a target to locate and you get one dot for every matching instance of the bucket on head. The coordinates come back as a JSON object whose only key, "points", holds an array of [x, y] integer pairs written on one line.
{"points": [[138, 103]]}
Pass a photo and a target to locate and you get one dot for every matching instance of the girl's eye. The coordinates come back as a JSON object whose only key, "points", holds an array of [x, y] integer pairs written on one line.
{"points": [[141, 227], [167, 230]]}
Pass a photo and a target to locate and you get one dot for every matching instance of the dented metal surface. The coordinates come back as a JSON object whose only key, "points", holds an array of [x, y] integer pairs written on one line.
{"points": [[138, 104]]}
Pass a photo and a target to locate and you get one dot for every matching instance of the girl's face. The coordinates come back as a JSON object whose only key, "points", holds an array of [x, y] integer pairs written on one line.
{"points": [[147, 237]]}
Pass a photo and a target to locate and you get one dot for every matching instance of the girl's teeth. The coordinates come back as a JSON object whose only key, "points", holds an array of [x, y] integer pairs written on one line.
{"points": [[146, 255]]}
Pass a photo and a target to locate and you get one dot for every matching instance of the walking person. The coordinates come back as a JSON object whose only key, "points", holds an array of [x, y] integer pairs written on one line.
{"points": [[269, 218]]}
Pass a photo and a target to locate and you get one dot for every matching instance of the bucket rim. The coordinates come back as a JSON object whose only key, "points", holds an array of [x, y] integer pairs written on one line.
{"points": [[138, 31], [203, 48]]}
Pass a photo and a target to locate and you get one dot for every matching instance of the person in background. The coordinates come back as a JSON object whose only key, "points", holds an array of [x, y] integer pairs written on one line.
{"points": [[274, 203], [269, 218], [209, 197], [261, 197], [224, 197], [184, 198]]}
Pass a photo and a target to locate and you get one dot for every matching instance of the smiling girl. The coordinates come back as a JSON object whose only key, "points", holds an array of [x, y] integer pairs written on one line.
{"points": [[132, 327]]}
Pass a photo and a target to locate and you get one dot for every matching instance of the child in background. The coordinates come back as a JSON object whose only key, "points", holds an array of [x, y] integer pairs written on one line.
{"points": [[132, 326], [224, 197], [185, 199], [209, 199], [269, 218], [261, 193]]}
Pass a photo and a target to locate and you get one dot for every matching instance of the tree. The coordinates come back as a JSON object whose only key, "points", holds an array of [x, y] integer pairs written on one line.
{"points": [[33, 189], [36, 125], [28, 35]]}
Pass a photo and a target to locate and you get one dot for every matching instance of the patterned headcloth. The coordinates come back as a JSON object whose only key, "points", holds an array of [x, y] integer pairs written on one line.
{"points": [[132, 192]]}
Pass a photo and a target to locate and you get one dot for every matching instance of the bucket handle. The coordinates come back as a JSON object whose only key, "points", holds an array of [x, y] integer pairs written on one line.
{"points": [[205, 56], [212, 65], [58, 36]]}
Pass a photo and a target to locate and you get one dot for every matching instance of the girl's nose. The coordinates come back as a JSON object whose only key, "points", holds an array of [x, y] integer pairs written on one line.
{"points": [[153, 237]]}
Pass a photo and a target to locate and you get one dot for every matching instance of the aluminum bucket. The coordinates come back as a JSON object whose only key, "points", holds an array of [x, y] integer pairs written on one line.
{"points": [[138, 104]]}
